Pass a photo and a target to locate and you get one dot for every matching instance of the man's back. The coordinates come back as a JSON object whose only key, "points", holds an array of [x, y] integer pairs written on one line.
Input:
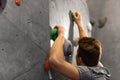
{"points": [[93, 73]]}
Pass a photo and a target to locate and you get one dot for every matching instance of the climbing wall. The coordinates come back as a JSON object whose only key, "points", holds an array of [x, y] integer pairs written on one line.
{"points": [[24, 35], [24, 40]]}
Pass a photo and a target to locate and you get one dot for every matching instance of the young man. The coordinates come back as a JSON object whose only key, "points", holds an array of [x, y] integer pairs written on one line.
{"points": [[88, 56]]}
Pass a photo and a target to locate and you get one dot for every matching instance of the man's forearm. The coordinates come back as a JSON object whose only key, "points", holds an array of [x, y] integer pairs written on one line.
{"points": [[58, 63], [81, 29], [78, 20], [56, 51]]}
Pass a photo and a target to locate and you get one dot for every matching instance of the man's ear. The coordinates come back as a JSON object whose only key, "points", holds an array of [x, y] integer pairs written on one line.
{"points": [[78, 60]]}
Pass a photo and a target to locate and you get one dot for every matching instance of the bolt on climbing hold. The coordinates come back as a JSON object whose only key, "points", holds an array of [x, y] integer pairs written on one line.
{"points": [[18, 2]]}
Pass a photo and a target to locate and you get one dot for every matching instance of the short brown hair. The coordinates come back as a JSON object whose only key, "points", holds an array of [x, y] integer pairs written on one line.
{"points": [[89, 50]]}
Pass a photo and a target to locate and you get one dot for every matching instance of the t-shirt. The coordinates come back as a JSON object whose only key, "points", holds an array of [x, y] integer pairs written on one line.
{"points": [[93, 73]]}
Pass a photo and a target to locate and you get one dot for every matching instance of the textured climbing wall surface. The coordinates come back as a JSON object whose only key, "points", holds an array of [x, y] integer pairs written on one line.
{"points": [[24, 35], [24, 40]]}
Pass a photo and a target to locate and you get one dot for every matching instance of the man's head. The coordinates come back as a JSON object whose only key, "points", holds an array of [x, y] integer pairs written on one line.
{"points": [[89, 51]]}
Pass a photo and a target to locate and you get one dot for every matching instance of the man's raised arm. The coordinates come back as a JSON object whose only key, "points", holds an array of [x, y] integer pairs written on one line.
{"points": [[56, 58], [78, 20]]}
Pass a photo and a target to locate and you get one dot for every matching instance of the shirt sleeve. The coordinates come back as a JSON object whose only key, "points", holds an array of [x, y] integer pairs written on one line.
{"points": [[84, 73]]}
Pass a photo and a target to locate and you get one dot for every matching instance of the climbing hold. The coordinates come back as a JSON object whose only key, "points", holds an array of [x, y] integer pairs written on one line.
{"points": [[2, 49], [54, 33], [67, 45], [102, 21], [18, 2], [89, 26], [75, 15], [47, 65], [2, 4]]}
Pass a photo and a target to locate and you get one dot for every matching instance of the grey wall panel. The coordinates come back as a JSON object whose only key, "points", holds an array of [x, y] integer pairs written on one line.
{"points": [[24, 40], [18, 52], [30, 17], [36, 73]]}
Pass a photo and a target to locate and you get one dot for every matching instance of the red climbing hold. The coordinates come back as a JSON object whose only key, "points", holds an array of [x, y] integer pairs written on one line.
{"points": [[18, 2], [47, 65]]}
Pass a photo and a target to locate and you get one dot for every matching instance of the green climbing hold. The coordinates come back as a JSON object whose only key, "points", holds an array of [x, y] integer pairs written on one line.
{"points": [[54, 34]]}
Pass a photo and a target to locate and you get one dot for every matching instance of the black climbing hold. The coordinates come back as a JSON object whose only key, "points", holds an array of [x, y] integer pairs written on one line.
{"points": [[2, 49], [2, 4], [16, 35], [40, 12]]}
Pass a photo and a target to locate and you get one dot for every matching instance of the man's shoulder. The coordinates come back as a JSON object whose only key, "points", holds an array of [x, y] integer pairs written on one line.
{"points": [[85, 73]]}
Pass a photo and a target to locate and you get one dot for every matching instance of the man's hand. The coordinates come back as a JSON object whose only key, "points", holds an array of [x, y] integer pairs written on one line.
{"points": [[77, 17], [61, 30], [78, 20]]}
